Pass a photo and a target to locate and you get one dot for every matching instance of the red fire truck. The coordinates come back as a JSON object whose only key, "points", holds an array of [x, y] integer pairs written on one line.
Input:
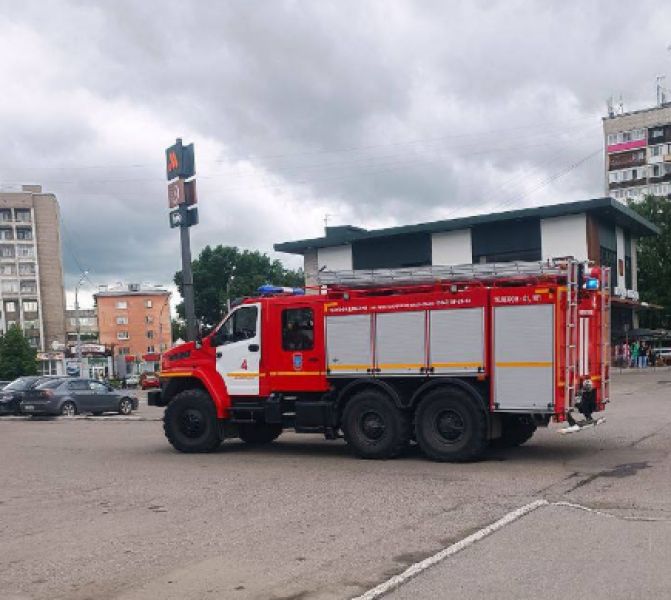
{"points": [[457, 358]]}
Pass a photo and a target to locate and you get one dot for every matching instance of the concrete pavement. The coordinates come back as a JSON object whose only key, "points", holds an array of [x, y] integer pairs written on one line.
{"points": [[106, 509]]}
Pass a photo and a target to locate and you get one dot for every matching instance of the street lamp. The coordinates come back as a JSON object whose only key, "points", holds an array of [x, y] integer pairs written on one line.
{"points": [[228, 289], [79, 339]]}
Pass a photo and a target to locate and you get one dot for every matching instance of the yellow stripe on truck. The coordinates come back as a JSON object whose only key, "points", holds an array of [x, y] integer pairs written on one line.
{"points": [[176, 374], [524, 364]]}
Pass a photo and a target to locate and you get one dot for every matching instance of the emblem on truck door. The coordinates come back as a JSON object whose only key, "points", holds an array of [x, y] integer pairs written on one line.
{"points": [[244, 364], [298, 361]]}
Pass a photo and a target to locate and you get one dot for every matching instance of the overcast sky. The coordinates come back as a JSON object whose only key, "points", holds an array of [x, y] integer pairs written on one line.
{"points": [[374, 112]]}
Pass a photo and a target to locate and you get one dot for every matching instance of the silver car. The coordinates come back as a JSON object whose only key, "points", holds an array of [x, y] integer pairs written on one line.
{"points": [[71, 396]]}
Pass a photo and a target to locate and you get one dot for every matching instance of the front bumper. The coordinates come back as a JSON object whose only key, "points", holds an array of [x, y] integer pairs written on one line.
{"points": [[154, 398], [10, 407]]}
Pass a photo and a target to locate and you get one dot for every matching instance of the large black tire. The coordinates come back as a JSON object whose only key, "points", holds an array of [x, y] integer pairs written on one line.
{"points": [[374, 427], [451, 425], [190, 422], [515, 431], [259, 433]]}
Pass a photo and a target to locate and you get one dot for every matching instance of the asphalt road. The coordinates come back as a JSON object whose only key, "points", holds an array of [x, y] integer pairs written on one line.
{"points": [[104, 508]]}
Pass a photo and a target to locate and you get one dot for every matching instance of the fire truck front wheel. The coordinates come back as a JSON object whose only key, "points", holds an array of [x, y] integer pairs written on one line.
{"points": [[190, 422], [450, 426], [374, 427]]}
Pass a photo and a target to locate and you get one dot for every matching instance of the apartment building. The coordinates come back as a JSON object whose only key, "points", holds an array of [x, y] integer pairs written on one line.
{"points": [[85, 320], [638, 153], [31, 269], [134, 320], [601, 230]]}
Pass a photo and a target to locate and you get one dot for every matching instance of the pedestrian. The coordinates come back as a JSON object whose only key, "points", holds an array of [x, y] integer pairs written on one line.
{"points": [[643, 355], [626, 349], [634, 354]]}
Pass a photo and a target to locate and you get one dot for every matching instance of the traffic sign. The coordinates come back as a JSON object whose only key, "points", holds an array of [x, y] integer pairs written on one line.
{"points": [[180, 161], [183, 216]]}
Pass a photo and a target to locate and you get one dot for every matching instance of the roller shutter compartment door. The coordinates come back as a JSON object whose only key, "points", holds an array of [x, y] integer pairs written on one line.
{"points": [[348, 344], [457, 340], [524, 358], [399, 343]]}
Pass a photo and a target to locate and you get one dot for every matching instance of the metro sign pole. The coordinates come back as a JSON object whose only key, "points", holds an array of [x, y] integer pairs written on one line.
{"points": [[180, 171]]}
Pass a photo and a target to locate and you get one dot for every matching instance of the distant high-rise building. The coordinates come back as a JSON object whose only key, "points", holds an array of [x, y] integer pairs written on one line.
{"points": [[638, 153], [31, 270]]}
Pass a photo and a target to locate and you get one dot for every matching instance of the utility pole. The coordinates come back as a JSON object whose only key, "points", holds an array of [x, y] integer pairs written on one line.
{"points": [[181, 171], [79, 339]]}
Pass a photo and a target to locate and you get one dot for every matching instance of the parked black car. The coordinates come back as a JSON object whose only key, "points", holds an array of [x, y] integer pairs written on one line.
{"points": [[71, 396], [12, 394]]}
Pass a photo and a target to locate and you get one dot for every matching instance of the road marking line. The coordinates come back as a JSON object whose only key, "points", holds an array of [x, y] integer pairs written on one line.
{"points": [[414, 570]]}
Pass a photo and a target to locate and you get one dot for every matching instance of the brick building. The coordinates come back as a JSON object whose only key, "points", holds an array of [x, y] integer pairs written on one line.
{"points": [[134, 320], [31, 270]]}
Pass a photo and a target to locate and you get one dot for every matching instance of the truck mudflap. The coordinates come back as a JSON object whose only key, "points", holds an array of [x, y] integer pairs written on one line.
{"points": [[574, 426], [154, 398]]}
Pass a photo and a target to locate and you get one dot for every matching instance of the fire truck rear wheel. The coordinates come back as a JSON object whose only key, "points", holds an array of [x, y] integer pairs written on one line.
{"points": [[515, 430], [374, 427], [190, 422], [450, 426], [259, 433]]}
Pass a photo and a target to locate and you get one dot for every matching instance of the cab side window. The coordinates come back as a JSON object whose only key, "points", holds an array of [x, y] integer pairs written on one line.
{"points": [[298, 329], [240, 325], [78, 385]]}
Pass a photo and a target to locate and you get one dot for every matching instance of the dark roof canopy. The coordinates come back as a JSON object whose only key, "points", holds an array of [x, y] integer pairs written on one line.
{"points": [[607, 209]]}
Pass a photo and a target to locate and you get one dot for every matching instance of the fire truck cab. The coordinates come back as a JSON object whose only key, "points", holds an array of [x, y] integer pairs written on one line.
{"points": [[456, 358]]}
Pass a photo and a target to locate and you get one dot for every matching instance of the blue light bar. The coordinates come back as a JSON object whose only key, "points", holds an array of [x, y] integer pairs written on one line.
{"points": [[269, 289], [592, 284]]}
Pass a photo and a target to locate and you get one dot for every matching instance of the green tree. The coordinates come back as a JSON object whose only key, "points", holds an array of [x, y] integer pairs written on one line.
{"points": [[654, 259], [178, 329], [225, 272], [17, 358]]}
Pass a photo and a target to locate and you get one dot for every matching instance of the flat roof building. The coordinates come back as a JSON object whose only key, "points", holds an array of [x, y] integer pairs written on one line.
{"points": [[31, 269], [134, 320], [602, 230]]}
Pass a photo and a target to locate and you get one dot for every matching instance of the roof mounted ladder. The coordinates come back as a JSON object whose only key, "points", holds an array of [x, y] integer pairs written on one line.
{"points": [[435, 274]]}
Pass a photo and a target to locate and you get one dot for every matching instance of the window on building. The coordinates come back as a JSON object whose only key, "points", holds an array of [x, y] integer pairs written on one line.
{"points": [[149, 319], [150, 335], [26, 268], [612, 139], [10, 286], [24, 233], [10, 307], [151, 349], [22, 215], [122, 335], [29, 287], [25, 251], [656, 170], [6, 251], [298, 329], [147, 304], [657, 132], [29, 306], [34, 342], [613, 176], [6, 234], [122, 320], [5, 215], [122, 304], [123, 350], [656, 150], [7, 270]]}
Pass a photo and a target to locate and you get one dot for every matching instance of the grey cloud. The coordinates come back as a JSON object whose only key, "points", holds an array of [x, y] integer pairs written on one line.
{"points": [[377, 112]]}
